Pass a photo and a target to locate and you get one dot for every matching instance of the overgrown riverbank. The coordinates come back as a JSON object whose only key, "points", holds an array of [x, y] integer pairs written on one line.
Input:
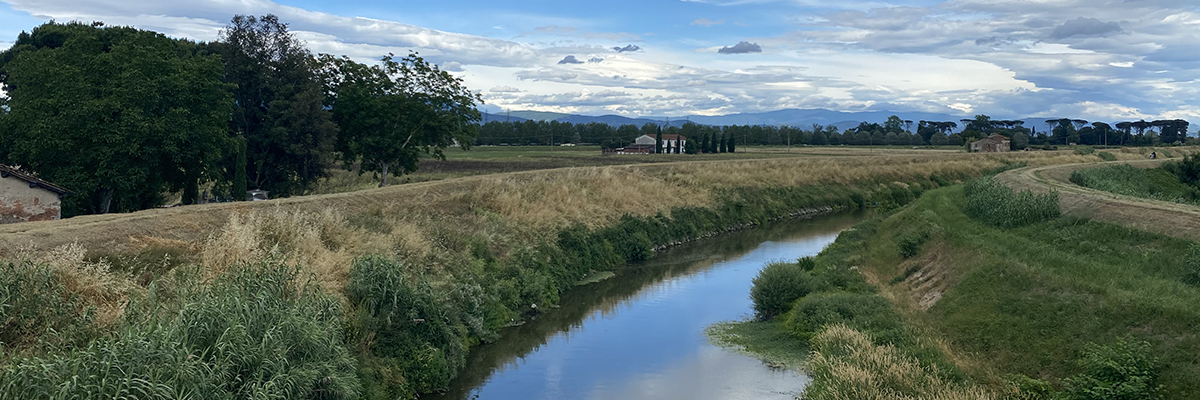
{"points": [[403, 287], [1049, 308]]}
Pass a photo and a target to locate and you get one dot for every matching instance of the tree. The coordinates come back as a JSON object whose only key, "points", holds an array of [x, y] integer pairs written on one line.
{"points": [[893, 125], [721, 144], [732, 144], [279, 109], [115, 114], [704, 145], [391, 114], [658, 141]]}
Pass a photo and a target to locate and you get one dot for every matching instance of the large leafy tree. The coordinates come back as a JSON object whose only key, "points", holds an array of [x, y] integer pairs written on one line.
{"points": [[393, 113], [279, 113], [115, 114]]}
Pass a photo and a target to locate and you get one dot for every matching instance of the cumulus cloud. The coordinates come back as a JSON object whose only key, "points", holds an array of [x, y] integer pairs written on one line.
{"points": [[1085, 27], [452, 66], [708, 23], [570, 60], [741, 48], [626, 48]]}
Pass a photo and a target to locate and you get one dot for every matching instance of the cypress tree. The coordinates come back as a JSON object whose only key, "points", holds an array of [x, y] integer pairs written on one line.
{"points": [[721, 143], [704, 143], [731, 143], [658, 141]]}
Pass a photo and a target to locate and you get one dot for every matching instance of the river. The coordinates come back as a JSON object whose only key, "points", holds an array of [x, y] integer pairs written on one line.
{"points": [[639, 335]]}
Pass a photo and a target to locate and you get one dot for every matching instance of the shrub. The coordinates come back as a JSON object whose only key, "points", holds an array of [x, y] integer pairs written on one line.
{"points": [[1106, 156], [1127, 370], [1158, 184], [255, 333], [1187, 169], [866, 312], [909, 243], [777, 286], [996, 204], [1084, 150]]}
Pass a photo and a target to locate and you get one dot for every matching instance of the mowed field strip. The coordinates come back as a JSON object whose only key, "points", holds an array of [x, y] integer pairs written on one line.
{"points": [[1168, 218]]}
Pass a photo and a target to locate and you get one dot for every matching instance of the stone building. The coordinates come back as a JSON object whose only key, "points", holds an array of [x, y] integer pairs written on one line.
{"points": [[24, 197], [991, 144]]}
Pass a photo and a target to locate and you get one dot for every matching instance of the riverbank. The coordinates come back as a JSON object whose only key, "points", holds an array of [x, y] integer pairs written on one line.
{"points": [[1040, 310], [398, 281]]}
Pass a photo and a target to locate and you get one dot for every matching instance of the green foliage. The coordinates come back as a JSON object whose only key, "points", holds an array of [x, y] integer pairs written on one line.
{"points": [[1157, 183], [278, 107], [255, 333], [1187, 170], [115, 114], [404, 326], [778, 285], [1026, 388], [35, 306], [1084, 150], [995, 204], [1106, 156], [391, 114], [865, 312], [1191, 266], [1126, 370], [910, 243]]}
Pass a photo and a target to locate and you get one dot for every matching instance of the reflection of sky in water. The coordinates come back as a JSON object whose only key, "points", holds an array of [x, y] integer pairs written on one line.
{"points": [[652, 345]]}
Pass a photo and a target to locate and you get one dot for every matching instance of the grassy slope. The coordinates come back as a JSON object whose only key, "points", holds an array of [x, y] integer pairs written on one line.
{"points": [[494, 237], [1152, 183], [1027, 300]]}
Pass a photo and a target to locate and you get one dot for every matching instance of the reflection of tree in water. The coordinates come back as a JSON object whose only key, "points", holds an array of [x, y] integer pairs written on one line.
{"points": [[631, 284]]}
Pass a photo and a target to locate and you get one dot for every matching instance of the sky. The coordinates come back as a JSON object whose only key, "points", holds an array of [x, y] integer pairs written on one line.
{"points": [[1091, 59]]}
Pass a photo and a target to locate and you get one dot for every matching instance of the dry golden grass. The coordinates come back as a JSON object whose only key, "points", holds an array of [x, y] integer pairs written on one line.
{"points": [[847, 366], [427, 222]]}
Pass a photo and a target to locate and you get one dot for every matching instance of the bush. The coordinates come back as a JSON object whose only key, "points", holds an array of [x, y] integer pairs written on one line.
{"points": [[1106, 156], [777, 286], [909, 243], [1126, 370], [1084, 150], [996, 204], [865, 312], [255, 333], [1188, 169], [1158, 184]]}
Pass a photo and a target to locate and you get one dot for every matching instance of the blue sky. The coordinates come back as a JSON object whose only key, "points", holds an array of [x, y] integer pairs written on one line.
{"points": [[1092, 59]]}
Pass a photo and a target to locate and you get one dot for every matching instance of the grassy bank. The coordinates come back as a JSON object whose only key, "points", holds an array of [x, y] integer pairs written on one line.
{"points": [[1146, 183], [1049, 308], [403, 280]]}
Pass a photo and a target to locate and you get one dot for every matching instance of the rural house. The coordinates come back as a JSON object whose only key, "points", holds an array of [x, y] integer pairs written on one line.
{"points": [[24, 197], [670, 141], [991, 144]]}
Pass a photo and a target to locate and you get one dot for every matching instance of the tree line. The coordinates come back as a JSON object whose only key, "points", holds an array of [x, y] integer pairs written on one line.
{"points": [[894, 132], [121, 116]]}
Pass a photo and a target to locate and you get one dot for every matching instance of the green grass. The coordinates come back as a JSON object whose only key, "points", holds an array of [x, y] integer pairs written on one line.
{"points": [[1155, 183], [1049, 300], [767, 340]]}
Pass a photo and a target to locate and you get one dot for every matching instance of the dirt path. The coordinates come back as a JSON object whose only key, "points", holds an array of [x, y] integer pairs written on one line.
{"points": [[1172, 219]]}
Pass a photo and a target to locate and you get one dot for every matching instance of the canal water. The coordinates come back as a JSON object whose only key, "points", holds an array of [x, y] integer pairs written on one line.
{"points": [[639, 335]]}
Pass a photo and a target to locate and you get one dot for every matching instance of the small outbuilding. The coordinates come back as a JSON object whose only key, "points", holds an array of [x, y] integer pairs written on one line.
{"points": [[671, 143], [25, 197], [991, 144]]}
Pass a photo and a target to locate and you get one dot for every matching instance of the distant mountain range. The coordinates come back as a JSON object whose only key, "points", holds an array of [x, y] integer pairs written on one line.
{"points": [[792, 117]]}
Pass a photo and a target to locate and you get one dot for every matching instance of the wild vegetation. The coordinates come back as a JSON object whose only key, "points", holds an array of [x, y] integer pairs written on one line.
{"points": [[415, 274], [1175, 181], [1053, 308]]}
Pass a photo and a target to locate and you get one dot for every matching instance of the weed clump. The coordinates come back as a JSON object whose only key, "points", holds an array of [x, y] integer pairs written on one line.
{"points": [[1125, 370], [1106, 156], [33, 303], [866, 312], [1157, 184], [995, 204], [258, 332]]}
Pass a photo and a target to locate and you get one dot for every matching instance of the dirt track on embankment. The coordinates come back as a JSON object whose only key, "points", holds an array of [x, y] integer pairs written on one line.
{"points": [[1171, 219]]}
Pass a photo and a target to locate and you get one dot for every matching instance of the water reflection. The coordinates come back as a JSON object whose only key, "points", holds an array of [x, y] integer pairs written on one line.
{"points": [[639, 334]]}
